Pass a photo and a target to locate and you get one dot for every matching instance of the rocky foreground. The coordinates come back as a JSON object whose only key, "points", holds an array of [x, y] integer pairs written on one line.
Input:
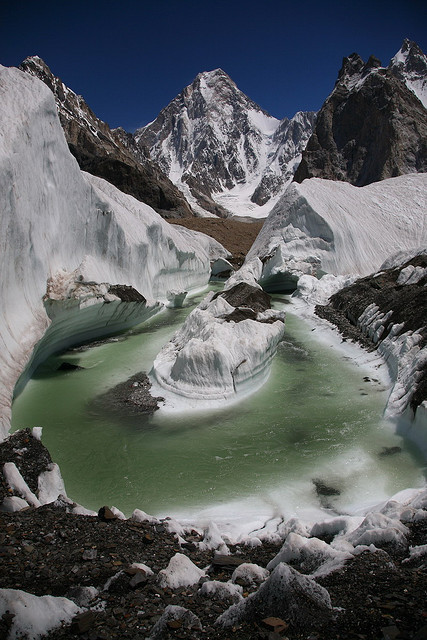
{"points": [[145, 578], [386, 307]]}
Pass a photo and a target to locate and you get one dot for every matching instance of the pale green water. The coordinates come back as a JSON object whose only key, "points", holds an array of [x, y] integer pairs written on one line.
{"points": [[315, 418]]}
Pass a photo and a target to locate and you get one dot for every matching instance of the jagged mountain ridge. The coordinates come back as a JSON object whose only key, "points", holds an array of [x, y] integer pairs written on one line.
{"points": [[410, 65], [222, 149], [374, 124], [228, 155], [106, 153]]}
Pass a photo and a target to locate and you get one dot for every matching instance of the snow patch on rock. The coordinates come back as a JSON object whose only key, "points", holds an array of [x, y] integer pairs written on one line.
{"points": [[180, 572], [35, 616]]}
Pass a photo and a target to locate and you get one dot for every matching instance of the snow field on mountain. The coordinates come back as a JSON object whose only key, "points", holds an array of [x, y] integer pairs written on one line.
{"points": [[402, 65]]}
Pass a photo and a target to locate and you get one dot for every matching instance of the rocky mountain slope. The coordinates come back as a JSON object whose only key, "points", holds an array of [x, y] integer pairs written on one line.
{"points": [[109, 154], [374, 124], [224, 151]]}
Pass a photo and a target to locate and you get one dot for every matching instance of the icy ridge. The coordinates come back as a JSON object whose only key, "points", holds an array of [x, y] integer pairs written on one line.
{"points": [[405, 354]]}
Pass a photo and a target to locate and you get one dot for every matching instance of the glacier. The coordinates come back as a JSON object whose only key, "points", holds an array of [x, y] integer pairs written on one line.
{"points": [[321, 226], [318, 228], [68, 237], [74, 241]]}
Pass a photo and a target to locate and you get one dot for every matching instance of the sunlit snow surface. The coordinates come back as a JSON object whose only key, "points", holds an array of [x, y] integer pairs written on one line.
{"points": [[341, 229], [34, 616]]}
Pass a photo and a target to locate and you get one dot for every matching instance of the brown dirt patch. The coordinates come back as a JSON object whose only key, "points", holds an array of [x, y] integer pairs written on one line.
{"points": [[235, 235]]}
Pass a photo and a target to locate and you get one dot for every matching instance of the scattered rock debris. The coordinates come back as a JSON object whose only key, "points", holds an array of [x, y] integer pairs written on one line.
{"points": [[111, 568]]}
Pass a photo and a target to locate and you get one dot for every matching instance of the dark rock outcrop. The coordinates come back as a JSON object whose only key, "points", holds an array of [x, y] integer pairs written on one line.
{"points": [[109, 154], [371, 127], [245, 296], [402, 301], [286, 594], [131, 397], [30, 457], [126, 293]]}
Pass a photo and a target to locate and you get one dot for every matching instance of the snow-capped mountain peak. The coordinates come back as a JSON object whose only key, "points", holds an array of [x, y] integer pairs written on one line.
{"points": [[223, 150], [373, 125], [410, 65], [354, 71]]}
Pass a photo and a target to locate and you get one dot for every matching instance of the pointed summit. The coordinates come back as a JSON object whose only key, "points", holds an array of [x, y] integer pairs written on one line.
{"points": [[215, 75], [410, 65], [220, 148]]}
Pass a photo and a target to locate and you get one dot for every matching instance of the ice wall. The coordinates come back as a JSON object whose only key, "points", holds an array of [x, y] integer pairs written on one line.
{"points": [[57, 222], [334, 227]]}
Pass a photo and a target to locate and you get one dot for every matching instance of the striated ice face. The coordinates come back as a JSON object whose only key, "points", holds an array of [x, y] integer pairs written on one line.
{"points": [[213, 358], [341, 229]]}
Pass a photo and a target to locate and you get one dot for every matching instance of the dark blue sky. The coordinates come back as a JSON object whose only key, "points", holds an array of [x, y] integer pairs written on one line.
{"points": [[129, 59]]}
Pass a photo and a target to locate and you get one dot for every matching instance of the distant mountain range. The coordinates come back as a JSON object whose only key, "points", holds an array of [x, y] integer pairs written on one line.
{"points": [[213, 151]]}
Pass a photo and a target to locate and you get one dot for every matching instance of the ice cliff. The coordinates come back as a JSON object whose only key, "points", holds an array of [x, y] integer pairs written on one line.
{"points": [[67, 237], [333, 227]]}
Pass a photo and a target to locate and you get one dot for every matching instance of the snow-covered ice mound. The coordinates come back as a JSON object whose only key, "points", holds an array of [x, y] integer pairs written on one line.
{"points": [[222, 351], [334, 227]]}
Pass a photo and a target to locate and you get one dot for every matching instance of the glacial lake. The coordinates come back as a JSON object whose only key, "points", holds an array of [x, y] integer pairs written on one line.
{"points": [[312, 440]]}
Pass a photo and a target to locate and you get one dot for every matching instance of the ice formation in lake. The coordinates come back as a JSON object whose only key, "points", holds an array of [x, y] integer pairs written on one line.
{"points": [[218, 354]]}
